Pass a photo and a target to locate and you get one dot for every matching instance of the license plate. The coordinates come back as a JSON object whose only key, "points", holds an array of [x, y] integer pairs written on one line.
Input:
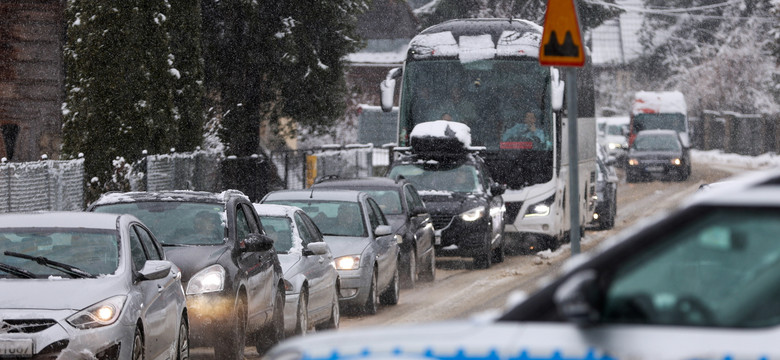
{"points": [[16, 348], [437, 235], [654, 168]]}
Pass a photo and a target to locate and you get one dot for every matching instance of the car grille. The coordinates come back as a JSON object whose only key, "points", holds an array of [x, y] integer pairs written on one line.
{"points": [[512, 209], [25, 326], [441, 221]]}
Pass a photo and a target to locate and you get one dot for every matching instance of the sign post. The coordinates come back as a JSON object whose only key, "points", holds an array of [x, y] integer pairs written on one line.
{"points": [[562, 46]]}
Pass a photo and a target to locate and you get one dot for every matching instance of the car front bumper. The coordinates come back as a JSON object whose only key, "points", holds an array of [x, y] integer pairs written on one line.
{"points": [[355, 286], [209, 317], [463, 238]]}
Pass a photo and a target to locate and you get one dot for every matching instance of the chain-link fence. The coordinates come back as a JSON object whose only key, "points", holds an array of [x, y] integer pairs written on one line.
{"points": [[298, 169], [42, 185], [198, 170]]}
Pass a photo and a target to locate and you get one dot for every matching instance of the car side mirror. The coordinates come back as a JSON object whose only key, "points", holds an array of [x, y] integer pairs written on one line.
{"points": [[155, 270], [317, 248], [256, 242], [383, 230], [576, 297], [497, 189], [417, 210]]}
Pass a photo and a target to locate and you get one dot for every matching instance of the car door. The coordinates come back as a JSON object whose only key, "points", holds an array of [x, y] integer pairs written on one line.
{"points": [[255, 268], [158, 296], [385, 247], [421, 223], [319, 271]]}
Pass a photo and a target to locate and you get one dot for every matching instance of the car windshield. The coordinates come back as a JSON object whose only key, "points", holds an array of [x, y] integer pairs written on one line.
{"points": [[656, 143], [389, 201], [95, 252], [177, 223], [280, 229], [615, 130], [333, 218], [460, 179], [721, 269]]}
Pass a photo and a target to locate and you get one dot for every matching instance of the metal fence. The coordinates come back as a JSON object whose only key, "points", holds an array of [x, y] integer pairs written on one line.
{"points": [[298, 169], [744, 134], [42, 185], [198, 170]]}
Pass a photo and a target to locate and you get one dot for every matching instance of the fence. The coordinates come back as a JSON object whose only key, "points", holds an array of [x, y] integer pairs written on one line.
{"points": [[42, 185], [300, 168], [744, 134]]}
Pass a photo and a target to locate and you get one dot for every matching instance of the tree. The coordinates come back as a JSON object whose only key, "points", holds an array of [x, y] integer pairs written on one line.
{"points": [[276, 59]]}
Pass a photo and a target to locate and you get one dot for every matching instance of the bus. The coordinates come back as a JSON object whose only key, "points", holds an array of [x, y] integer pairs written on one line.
{"points": [[486, 73]]}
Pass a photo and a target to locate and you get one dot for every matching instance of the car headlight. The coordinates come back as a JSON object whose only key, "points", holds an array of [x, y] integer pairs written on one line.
{"points": [[541, 208], [100, 314], [473, 214], [613, 146], [349, 262], [676, 161], [633, 162], [210, 279]]}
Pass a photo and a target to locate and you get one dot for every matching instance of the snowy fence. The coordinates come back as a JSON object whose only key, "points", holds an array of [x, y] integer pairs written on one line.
{"points": [[198, 170], [42, 185], [743, 134], [298, 169]]}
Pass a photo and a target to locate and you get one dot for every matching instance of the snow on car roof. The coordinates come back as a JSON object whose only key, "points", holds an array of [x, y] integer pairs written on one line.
{"points": [[655, 102], [171, 195], [314, 194], [275, 210], [443, 129]]}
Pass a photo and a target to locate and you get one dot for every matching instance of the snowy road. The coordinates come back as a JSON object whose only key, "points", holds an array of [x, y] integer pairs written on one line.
{"points": [[460, 291]]}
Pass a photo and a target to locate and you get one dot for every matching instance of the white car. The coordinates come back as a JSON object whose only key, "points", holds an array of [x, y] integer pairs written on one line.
{"points": [[700, 282], [83, 285], [311, 281]]}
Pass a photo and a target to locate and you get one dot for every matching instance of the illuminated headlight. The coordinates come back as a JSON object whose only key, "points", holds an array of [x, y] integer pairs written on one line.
{"points": [[541, 208], [210, 279], [595, 216], [100, 314], [676, 161], [350, 262], [633, 162], [473, 214], [613, 146]]}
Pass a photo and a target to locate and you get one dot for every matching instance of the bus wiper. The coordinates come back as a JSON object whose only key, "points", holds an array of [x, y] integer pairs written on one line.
{"points": [[41, 260], [13, 270]]}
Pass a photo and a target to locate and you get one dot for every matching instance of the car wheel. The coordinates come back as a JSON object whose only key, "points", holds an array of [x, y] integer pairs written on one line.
{"points": [[630, 178], [273, 333], [373, 299], [302, 314], [499, 253], [335, 312], [231, 345], [183, 343], [484, 260], [410, 277], [393, 292], [138, 345], [430, 272]]}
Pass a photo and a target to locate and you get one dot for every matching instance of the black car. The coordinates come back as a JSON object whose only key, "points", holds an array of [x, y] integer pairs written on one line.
{"points": [[408, 216], [605, 209], [230, 270], [464, 201], [658, 154]]}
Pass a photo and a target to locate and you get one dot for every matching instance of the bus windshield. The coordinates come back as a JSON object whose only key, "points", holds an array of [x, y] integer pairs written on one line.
{"points": [[506, 103]]}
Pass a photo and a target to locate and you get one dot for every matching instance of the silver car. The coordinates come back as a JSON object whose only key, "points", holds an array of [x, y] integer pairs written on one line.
{"points": [[83, 285], [365, 249], [310, 278]]}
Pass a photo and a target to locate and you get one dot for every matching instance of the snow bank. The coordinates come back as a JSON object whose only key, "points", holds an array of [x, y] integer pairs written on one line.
{"points": [[650, 102]]}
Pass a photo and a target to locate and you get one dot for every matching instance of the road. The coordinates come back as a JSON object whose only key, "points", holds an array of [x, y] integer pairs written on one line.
{"points": [[460, 291]]}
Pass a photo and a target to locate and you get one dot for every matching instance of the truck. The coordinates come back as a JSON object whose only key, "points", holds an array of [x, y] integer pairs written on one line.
{"points": [[659, 110]]}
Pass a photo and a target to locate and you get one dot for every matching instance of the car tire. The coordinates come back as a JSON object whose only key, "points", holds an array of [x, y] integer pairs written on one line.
{"points": [[393, 292], [183, 341], [631, 178], [272, 333], [335, 313], [410, 276], [430, 272], [137, 352], [302, 315], [499, 253], [372, 302], [231, 345], [484, 260]]}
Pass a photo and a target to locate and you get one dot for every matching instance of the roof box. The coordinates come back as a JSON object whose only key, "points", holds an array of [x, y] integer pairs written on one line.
{"points": [[440, 137]]}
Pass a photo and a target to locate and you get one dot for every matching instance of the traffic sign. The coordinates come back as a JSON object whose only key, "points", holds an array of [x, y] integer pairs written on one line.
{"points": [[562, 38]]}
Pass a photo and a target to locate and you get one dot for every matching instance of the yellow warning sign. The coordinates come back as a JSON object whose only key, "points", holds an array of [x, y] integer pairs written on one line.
{"points": [[562, 38]]}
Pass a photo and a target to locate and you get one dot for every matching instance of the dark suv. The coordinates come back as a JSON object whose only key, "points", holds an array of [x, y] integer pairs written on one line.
{"points": [[464, 201], [230, 271], [406, 212]]}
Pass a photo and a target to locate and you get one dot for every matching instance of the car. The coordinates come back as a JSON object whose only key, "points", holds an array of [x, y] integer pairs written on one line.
{"points": [[408, 216], [230, 271], [74, 283], [658, 154], [697, 282], [310, 278], [605, 209], [464, 201], [361, 239], [614, 137]]}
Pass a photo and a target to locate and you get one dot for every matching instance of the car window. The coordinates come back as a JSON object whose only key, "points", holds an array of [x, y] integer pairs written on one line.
{"points": [[409, 197], [389, 200], [303, 230], [415, 196], [176, 223], [314, 232], [721, 269], [242, 224], [137, 251], [146, 240], [658, 143], [375, 214], [279, 229], [464, 178], [333, 218]]}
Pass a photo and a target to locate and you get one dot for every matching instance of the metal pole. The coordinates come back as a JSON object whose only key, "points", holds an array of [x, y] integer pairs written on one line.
{"points": [[574, 187]]}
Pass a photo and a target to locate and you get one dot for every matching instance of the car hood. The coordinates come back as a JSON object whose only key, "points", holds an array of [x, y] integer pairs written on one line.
{"points": [[193, 258], [288, 261], [58, 293], [451, 202], [346, 245]]}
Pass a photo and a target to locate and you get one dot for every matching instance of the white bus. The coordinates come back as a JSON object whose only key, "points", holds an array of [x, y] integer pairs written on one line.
{"points": [[486, 73]]}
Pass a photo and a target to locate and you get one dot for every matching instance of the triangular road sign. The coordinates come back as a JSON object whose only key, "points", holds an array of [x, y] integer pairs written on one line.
{"points": [[562, 38]]}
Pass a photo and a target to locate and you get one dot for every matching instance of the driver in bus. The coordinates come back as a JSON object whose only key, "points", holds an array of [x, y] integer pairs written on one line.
{"points": [[527, 130]]}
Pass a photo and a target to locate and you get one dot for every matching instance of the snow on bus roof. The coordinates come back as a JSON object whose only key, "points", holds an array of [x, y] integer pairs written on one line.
{"points": [[443, 129], [654, 102], [475, 47]]}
